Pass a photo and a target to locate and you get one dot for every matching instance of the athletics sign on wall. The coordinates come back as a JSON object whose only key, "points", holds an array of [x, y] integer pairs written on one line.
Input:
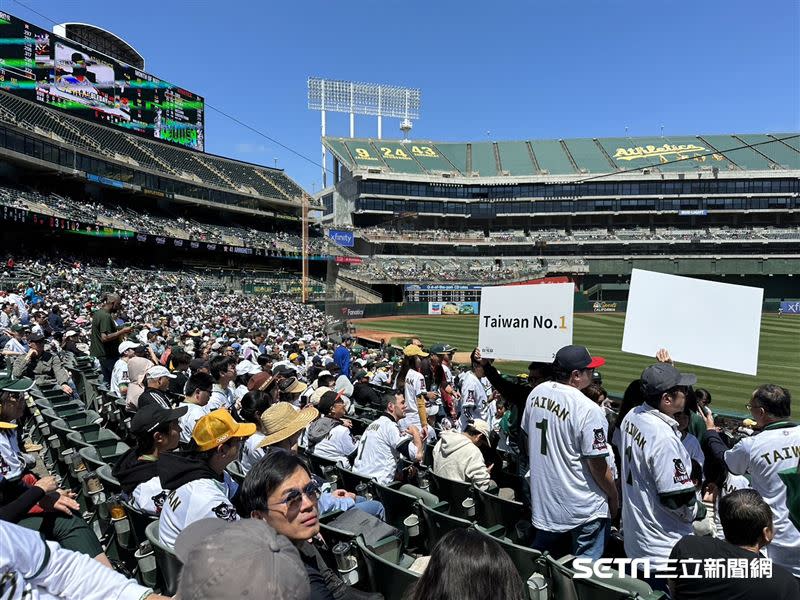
{"points": [[526, 322]]}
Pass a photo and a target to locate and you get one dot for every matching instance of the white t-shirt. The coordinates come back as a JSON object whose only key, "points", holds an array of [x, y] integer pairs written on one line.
{"points": [[251, 453], [763, 456], [119, 375], [149, 496], [11, 462], [220, 398], [188, 421], [564, 427], [198, 499], [381, 377], [31, 569], [415, 386], [473, 399], [732, 483], [654, 462], [378, 452], [692, 445], [337, 444]]}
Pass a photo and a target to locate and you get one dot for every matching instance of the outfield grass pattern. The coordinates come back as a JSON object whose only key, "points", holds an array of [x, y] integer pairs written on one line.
{"points": [[779, 355]]}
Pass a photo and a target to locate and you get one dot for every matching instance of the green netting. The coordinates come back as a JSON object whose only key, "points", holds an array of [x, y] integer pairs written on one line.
{"points": [[515, 158], [456, 154], [776, 151], [746, 158], [398, 156], [551, 157], [588, 156], [483, 161]]}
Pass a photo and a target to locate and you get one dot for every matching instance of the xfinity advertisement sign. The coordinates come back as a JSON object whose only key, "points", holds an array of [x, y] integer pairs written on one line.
{"points": [[343, 238]]}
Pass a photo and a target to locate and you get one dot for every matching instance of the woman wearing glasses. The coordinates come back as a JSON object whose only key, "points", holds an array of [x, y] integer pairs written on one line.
{"points": [[279, 489]]}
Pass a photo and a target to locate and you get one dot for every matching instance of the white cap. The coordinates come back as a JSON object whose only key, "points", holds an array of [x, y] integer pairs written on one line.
{"points": [[158, 371], [72, 332], [123, 347], [246, 367], [323, 372]]}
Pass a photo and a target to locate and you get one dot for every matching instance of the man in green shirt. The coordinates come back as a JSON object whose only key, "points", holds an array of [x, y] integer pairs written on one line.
{"points": [[105, 335]]}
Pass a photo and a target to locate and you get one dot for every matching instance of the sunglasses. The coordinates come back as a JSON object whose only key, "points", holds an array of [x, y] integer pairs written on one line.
{"points": [[294, 498]]}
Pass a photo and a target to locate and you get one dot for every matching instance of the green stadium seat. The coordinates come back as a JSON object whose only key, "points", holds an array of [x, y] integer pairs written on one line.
{"points": [[455, 493], [349, 480], [385, 576], [527, 560], [561, 577], [492, 510], [169, 567], [435, 523]]}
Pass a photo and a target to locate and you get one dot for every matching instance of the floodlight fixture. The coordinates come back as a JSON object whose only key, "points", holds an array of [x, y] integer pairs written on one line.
{"points": [[358, 98]]}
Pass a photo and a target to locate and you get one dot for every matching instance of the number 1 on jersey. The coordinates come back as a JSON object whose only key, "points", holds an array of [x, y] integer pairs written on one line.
{"points": [[543, 426]]}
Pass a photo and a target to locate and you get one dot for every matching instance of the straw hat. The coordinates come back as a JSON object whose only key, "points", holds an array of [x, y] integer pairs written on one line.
{"points": [[282, 421]]}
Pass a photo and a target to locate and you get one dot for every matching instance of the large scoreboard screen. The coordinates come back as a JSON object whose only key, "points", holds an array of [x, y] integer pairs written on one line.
{"points": [[40, 66], [447, 292]]}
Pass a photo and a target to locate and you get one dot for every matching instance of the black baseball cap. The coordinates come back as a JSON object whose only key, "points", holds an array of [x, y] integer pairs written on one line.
{"points": [[661, 377], [327, 401], [36, 337], [360, 374], [577, 358], [149, 417]]}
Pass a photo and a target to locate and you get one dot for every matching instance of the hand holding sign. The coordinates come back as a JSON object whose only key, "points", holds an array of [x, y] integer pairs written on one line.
{"points": [[525, 322]]}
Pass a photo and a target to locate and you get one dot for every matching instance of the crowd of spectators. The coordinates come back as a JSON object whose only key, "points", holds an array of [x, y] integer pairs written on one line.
{"points": [[665, 234], [162, 224], [211, 379], [413, 269]]}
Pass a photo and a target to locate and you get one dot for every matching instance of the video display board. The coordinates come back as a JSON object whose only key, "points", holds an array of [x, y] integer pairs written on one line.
{"points": [[448, 292], [40, 66]]}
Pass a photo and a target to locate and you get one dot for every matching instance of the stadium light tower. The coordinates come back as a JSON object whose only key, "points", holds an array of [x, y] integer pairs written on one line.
{"points": [[355, 98]]}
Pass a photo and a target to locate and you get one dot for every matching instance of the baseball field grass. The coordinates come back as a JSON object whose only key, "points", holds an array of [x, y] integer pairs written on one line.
{"points": [[779, 353]]}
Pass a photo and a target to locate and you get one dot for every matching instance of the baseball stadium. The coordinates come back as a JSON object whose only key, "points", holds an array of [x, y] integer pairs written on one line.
{"points": [[205, 363]]}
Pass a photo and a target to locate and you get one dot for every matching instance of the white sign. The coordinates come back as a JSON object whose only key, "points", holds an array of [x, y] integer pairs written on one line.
{"points": [[526, 322], [705, 323]]}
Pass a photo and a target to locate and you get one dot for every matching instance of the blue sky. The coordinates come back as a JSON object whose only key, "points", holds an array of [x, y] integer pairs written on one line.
{"points": [[487, 70]]}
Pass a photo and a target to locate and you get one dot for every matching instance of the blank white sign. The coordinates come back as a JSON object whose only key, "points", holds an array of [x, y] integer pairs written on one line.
{"points": [[526, 322], [705, 323]]}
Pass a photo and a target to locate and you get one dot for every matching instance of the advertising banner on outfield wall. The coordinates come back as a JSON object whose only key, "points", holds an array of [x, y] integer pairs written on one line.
{"points": [[792, 307], [603, 307], [453, 308], [352, 311]]}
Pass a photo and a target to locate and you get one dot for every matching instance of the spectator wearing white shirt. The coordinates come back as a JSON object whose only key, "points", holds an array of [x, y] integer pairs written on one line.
{"points": [[119, 374], [223, 371], [330, 436], [200, 486], [198, 393], [383, 443], [39, 569], [157, 431], [254, 403]]}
